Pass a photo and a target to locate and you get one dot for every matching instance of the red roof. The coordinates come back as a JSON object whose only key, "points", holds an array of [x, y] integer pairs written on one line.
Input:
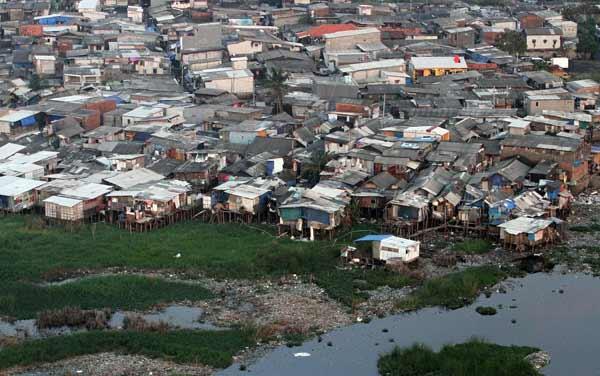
{"points": [[319, 31]]}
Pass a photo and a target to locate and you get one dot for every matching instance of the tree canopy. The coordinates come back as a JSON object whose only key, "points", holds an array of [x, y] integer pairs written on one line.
{"points": [[576, 13], [512, 42], [276, 82], [586, 33]]}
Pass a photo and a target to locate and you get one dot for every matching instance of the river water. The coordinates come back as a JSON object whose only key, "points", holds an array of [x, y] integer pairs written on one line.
{"points": [[567, 325], [177, 316]]}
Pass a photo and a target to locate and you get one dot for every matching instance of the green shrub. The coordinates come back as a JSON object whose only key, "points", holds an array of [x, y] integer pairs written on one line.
{"points": [[212, 348], [453, 290], [474, 357], [486, 311], [115, 292], [350, 286]]}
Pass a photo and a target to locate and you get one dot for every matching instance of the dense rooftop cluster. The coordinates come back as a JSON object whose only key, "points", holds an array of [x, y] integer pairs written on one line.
{"points": [[309, 115]]}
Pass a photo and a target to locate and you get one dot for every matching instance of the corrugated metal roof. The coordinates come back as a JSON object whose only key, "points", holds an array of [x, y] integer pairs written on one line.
{"points": [[525, 225], [380, 64], [87, 191], [372, 238], [319, 31], [349, 33], [432, 62], [13, 186], [63, 201], [9, 150], [15, 116], [134, 177]]}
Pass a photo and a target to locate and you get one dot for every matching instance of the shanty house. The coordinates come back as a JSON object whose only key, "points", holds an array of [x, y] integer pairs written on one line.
{"points": [[22, 170], [570, 154], [91, 194], [153, 199], [524, 233], [321, 208], [63, 208], [44, 158], [128, 179], [247, 199], [499, 206], [408, 207], [142, 113], [126, 162], [372, 196], [508, 175], [17, 122], [17, 193], [244, 195]]}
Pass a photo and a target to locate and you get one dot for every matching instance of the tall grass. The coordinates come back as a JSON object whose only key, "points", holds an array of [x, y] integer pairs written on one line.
{"points": [[350, 286], [33, 253], [453, 290], [474, 357], [212, 348], [227, 251], [25, 300]]}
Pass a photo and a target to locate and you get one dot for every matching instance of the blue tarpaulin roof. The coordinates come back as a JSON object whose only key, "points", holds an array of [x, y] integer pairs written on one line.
{"points": [[372, 238]]}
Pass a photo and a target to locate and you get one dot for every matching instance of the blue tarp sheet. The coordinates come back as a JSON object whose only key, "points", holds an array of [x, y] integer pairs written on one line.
{"points": [[28, 121]]}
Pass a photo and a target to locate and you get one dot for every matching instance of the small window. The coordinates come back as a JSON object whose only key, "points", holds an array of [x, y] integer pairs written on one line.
{"points": [[537, 104], [545, 41]]}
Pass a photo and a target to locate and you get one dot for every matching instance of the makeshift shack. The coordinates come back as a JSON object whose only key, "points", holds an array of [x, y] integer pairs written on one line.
{"points": [[64, 208], [17, 194], [525, 233], [389, 247]]}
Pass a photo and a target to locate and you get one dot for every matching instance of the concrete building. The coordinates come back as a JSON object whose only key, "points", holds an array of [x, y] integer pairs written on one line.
{"points": [[584, 87], [350, 39], [135, 13], [535, 102], [463, 37], [436, 66], [45, 65], [530, 21], [392, 71], [504, 23], [568, 28], [76, 77], [244, 48], [235, 81], [543, 39]]}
